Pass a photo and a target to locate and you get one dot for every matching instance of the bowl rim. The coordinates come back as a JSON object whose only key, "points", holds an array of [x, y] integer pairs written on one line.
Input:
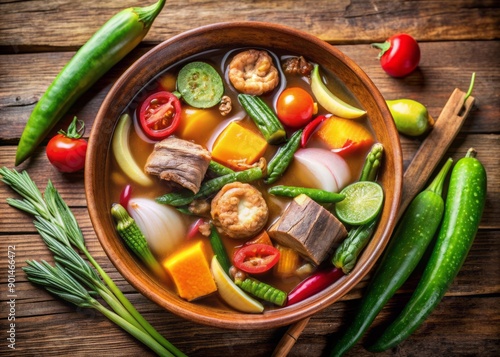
{"points": [[275, 318]]}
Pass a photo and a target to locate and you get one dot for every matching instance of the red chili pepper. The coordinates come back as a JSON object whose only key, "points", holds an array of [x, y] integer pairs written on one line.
{"points": [[125, 196], [194, 229], [314, 284], [351, 147], [309, 129]]}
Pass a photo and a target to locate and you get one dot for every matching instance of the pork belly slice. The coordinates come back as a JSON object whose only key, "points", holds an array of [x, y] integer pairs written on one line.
{"points": [[309, 228], [180, 162]]}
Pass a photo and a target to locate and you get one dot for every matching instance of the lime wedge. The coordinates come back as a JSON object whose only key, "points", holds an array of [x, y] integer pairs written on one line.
{"points": [[231, 293], [363, 201]]}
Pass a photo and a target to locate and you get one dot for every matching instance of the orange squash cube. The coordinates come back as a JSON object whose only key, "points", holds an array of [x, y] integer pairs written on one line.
{"points": [[335, 132], [190, 272], [238, 144]]}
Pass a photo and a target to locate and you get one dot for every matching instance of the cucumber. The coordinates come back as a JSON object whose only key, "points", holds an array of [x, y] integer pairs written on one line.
{"points": [[463, 210], [200, 85], [415, 230], [265, 119]]}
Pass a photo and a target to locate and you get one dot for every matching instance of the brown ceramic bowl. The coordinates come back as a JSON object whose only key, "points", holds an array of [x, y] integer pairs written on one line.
{"points": [[238, 34]]}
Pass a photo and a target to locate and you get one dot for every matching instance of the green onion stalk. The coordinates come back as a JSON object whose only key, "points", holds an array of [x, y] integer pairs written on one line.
{"points": [[60, 232]]}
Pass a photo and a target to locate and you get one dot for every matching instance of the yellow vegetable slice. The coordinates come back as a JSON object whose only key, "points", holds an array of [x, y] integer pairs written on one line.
{"points": [[330, 101], [121, 150], [231, 293]]}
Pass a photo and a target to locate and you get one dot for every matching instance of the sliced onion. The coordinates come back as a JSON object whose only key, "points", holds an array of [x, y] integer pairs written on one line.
{"points": [[162, 225], [328, 170]]}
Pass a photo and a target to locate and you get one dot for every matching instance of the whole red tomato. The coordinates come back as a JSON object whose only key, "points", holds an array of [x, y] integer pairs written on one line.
{"points": [[295, 107], [399, 55], [66, 151]]}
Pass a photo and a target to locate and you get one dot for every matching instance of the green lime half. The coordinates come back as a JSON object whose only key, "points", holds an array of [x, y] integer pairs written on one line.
{"points": [[200, 85], [363, 201]]}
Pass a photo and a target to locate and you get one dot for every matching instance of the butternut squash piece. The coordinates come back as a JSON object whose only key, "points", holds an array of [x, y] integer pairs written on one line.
{"points": [[197, 124], [335, 132], [190, 272], [238, 145], [288, 264]]}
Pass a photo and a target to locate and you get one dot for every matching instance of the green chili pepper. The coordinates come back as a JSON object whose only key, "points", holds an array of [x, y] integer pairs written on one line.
{"points": [[282, 159], [411, 117], [104, 49], [318, 195]]}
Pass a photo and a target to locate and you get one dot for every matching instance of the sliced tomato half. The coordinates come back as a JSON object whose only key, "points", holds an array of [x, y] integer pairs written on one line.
{"points": [[160, 114], [256, 258]]}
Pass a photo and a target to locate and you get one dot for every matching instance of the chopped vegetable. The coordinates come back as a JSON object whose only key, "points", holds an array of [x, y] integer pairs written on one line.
{"points": [[209, 187], [161, 225], [330, 101], [314, 284], [282, 159], [310, 128], [464, 206], [125, 196], [256, 258], [200, 85], [134, 239], [66, 150], [190, 272], [219, 169], [103, 50], [324, 169], [288, 263], [399, 55], [123, 156], [160, 115], [295, 107], [263, 291], [262, 238], [237, 145], [231, 293], [320, 196], [196, 124], [337, 133], [219, 250], [413, 234], [265, 119], [411, 117]]}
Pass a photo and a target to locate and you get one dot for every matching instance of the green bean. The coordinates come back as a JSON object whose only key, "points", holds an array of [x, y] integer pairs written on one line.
{"points": [[103, 50], [282, 159], [209, 187], [219, 169], [318, 195]]}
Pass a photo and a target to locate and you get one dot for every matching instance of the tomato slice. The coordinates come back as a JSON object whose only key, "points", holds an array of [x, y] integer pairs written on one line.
{"points": [[159, 115], [256, 258]]}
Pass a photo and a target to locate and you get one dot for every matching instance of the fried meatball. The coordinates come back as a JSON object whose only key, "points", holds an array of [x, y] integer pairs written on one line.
{"points": [[253, 72], [239, 210]]}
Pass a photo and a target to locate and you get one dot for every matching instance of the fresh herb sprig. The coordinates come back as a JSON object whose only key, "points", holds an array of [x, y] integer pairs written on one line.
{"points": [[60, 231]]}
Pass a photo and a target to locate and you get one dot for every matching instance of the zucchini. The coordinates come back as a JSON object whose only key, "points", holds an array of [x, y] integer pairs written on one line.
{"points": [[265, 119], [463, 210], [200, 85], [408, 243]]}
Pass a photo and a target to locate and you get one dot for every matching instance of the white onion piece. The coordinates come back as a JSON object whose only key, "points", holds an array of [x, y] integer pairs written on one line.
{"points": [[327, 170], [162, 225]]}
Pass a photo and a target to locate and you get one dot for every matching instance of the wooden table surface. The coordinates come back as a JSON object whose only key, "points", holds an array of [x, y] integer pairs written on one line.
{"points": [[457, 37]]}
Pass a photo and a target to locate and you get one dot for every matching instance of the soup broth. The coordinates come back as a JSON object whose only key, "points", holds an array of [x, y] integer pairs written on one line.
{"points": [[207, 132]]}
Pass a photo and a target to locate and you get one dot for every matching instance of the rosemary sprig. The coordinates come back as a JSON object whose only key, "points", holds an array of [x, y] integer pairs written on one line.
{"points": [[60, 282], [57, 224]]}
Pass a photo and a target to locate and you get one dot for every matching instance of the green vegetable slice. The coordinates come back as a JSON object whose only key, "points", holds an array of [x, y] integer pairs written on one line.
{"points": [[200, 85]]}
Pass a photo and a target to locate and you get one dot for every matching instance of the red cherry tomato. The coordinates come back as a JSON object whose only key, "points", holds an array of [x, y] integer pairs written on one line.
{"points": [[159, 115], [399, 55], [66, 151], [295, 107], [256, 258]]}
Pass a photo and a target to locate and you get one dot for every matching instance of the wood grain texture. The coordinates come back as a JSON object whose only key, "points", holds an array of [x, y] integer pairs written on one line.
{"points": [[457, 37]]}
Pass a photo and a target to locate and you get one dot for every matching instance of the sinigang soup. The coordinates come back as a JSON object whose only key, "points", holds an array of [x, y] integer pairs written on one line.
{"points": [[211, 160]]}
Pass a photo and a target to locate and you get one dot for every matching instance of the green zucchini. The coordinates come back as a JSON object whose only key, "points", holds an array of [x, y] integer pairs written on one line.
{"points": [[265, 119], [414, 232], [200, 85], [463, 210]]}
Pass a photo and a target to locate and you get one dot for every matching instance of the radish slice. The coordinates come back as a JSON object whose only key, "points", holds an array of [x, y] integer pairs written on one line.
{"points": [[327, 170]]}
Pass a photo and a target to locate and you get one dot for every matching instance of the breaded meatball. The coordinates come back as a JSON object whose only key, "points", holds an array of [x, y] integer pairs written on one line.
{"points": [[239, 210]]}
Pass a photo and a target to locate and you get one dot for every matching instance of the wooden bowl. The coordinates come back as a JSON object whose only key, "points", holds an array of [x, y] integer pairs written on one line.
{"points": [[238, 34]]}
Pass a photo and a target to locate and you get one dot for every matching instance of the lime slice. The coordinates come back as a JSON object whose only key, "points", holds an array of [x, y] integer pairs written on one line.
{"points": [[363, 201], [231, 293]]}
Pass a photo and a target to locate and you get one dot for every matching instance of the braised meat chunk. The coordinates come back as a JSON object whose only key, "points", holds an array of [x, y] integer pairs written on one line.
{"points": [[180, 162], [239, 210]]}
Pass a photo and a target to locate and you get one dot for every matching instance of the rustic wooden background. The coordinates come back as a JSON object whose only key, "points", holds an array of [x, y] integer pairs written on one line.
{"points": [[457, 37]]}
